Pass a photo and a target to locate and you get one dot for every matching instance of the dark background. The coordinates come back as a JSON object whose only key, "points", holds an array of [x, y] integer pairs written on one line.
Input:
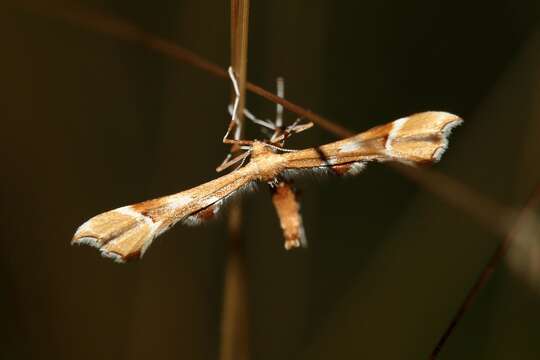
{"points": [[91, 122]]}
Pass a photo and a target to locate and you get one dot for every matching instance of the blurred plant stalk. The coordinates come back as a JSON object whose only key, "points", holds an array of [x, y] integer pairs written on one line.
{"points": [[234, 321]]}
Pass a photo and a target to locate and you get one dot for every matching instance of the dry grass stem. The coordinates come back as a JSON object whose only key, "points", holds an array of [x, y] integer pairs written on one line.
{"points": [[489, 268], [234, 326]]}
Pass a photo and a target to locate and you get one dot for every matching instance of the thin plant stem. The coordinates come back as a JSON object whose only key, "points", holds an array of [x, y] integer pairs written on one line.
{"points": [[487, 271], [234, 322]]}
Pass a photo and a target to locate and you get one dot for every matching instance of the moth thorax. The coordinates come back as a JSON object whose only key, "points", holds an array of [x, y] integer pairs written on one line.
{"points": [[260, 149]]}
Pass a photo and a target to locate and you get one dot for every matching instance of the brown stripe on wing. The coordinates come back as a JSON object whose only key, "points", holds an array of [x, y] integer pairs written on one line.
{"points": [[421, 138]]}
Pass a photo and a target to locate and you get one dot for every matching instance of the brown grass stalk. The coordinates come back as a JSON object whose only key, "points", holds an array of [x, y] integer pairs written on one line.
{"points": [[486, 273], [234, 322]]}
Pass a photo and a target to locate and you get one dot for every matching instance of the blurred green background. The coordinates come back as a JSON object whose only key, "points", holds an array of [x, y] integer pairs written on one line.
{"points": [[91, 122]]}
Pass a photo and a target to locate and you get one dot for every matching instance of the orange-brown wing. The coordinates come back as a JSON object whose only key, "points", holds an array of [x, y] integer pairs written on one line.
{"points": [[417, 139], [125, 233]]}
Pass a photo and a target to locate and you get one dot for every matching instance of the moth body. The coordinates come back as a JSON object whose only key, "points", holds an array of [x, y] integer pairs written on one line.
{"points": [[127, 232]]}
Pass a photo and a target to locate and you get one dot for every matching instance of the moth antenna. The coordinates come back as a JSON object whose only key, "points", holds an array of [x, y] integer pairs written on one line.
{"points": [[265, 123], [249, 115]]}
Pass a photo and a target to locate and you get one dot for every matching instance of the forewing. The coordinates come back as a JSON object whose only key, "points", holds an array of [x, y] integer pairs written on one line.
{"points": [[127, 232], [417, 139]]}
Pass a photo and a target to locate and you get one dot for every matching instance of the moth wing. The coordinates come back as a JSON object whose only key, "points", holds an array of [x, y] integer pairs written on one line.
{"points": [[126, 233], [417, 139]]}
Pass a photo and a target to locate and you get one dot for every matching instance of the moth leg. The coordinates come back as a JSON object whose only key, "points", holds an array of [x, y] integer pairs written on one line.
{"points": [[266, 124], [279, 138], [228, 162], [234, 116], [236, 143]]}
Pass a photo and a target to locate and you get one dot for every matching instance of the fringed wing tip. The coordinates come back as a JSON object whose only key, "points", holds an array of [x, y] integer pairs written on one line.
{"points": [[453, 121], [117, 258], [450, 123], [421, 138], [85, 240], [120, 235], [98, 244]]}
